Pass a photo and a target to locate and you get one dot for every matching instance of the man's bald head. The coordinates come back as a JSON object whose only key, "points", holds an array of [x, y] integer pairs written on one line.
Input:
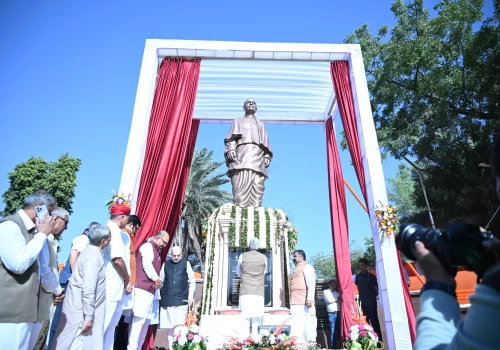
{"points": [[176, 254], [161, 239]]}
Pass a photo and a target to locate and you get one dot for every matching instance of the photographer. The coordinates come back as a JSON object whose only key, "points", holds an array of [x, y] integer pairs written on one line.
{"points": [[438, 324]]}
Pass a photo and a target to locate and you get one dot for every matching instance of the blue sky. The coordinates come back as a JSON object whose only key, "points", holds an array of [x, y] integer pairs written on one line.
{"points": [[69, 73]]}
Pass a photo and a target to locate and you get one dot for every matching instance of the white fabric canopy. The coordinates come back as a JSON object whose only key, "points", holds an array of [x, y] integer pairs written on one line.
{"points": [[285, 91]]}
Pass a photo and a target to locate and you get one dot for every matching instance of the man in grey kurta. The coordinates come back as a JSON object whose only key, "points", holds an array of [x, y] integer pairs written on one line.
{"points": [[82, 319], [248, 154]]}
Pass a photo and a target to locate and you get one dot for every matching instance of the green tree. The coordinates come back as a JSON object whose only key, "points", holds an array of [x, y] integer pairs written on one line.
{"points": [[324, 265], [203, 195], [369, 253], [357, 253], [59, 178], [401, 192], [435, 90]]}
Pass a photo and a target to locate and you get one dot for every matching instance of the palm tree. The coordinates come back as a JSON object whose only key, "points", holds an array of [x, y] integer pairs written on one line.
{"points": [[203, 195]]}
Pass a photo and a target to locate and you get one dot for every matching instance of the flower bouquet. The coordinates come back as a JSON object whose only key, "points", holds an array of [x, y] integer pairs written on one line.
{"points": [[188, 337], [361, 334], [388, 222], [267, 340]]}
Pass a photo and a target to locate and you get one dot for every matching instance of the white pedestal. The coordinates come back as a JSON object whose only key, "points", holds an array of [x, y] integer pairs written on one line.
{"points": [[219, 328], [229, 228]]}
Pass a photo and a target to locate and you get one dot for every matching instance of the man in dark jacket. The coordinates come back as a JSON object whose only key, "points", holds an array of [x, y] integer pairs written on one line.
{"points": [[177, 292]]}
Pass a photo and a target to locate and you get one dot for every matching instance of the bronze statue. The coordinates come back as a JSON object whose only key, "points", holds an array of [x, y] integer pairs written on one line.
{"points": [[248, 154]]}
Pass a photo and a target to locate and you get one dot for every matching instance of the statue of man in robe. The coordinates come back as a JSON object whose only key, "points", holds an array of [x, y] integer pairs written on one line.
{"points": [[248, 154]]}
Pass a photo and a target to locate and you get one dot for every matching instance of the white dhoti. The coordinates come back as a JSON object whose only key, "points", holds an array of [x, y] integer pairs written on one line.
{"points": [[251, 306], [128, 303], [18, 335], [145, 313], [143, 306], [113, 313], [172, 318], [310, 320], [252, 310]]}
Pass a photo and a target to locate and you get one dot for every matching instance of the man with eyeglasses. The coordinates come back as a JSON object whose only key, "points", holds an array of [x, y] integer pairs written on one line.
{"points": [[147, 288], [79, 243], [24, 271], [49, 252], [177, 292]]}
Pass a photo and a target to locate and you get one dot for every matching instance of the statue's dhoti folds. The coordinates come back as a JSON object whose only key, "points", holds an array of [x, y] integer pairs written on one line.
{"points": [[248, 187]]}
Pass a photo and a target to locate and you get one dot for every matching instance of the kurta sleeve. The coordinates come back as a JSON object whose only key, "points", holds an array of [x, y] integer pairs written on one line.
{"points": [[90, 273], [439, 325], [310, 281], [162, 273], [147, 261], [192, 280], [49, 282], [15, 253]]}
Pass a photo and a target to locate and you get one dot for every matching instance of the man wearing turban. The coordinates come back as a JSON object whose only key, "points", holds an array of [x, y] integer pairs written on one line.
{"points": [[116, 257]]}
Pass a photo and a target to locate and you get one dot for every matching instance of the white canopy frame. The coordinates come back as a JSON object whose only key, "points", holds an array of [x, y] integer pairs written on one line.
{"points": [[271, 73]]}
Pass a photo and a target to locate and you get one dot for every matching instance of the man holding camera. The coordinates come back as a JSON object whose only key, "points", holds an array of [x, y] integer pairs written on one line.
{"points": [[438, 324]]}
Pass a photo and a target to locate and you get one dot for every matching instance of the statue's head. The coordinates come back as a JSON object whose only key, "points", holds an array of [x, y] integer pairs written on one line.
{"points": [[250, 106]]}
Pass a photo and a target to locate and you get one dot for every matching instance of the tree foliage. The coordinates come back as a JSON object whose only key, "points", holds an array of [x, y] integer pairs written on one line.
{"points": [[59, 178], [203, 195], [434, 83], [401, 192], [324, 264], [368, 253]]}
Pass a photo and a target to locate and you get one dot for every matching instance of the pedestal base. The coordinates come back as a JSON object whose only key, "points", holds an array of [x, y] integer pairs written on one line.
{"points": [[228, 230], [219, 328]]}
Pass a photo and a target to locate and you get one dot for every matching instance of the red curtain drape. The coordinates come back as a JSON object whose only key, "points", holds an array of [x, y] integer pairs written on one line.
{"points": [[412, 320], [339, 71], [338, 217], [169, 150]]}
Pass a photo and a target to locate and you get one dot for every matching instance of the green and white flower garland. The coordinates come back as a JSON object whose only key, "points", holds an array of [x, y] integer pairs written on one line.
{"points": [[238, 237]]}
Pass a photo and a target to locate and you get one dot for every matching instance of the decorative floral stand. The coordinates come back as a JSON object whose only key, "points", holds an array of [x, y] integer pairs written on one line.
{"points": [[229, 228]]}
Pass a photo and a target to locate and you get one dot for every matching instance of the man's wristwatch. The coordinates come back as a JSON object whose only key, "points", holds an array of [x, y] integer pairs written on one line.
{"points": [[437, 285]]}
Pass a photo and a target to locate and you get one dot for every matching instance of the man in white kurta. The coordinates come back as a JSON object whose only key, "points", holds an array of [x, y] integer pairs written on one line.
{"points": [[117, 275], [20, 257], [302, 290], [78, 244], [147, 292], [177, 292], [251, 268], [82, 319], [332, 298]]}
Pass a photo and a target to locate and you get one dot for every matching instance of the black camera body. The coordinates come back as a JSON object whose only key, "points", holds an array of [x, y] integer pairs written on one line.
{"points": [[460, 245]]}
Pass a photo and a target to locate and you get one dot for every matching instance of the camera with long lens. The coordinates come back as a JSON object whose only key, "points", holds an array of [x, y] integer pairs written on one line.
{"points": [[460, 245]]}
